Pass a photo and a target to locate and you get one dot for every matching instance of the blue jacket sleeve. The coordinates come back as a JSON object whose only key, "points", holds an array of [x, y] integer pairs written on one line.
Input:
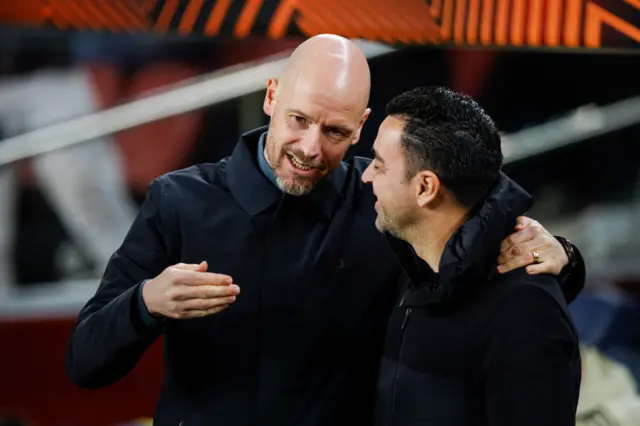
{"points": [[114, 328]]}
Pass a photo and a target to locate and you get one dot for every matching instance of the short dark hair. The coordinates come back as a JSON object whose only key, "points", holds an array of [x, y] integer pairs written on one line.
{"points": [[451, 135]]}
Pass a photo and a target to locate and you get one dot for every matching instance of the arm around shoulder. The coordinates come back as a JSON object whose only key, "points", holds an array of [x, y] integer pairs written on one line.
{"points": [[112, 331], [530, 359]]}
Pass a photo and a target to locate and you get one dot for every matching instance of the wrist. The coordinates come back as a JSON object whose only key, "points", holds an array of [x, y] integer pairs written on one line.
{"points": [[144, 293], [571, 256]]}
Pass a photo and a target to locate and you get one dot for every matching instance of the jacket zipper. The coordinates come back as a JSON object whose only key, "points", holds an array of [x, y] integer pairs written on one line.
{"points": [[407, 313]]}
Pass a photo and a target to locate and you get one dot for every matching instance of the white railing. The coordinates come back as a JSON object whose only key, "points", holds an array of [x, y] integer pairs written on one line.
{"points": [[244, 79], [579, 125], [189, 95]]}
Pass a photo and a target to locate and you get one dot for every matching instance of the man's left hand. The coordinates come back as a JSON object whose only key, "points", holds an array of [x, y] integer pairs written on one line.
{"points": [[518, 249]]}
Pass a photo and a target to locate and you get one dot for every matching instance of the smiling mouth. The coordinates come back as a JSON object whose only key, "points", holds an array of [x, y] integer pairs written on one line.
{"points": [[300, 166]]}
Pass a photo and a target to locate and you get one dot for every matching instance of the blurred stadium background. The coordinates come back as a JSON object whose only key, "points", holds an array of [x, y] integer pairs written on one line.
{"points": [[97, 98]]}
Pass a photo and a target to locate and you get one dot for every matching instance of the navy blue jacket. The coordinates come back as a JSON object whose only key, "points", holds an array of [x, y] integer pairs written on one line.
{"points": [[302, 343], [469, 347]]}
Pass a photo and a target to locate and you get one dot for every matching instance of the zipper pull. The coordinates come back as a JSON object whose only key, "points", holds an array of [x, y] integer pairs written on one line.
{"points": [[407, 312]]}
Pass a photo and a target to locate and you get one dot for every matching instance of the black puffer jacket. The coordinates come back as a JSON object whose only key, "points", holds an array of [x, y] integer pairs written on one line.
{"points": [[468, 346]]}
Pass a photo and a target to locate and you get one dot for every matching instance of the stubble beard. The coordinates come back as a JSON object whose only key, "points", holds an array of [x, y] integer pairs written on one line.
{"points": [[295, 186], [399, 227]]}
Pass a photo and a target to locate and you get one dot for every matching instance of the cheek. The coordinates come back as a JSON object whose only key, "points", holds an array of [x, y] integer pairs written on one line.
{"points": [[382, 191], [281, 137], [279, 125], [390, 195]]}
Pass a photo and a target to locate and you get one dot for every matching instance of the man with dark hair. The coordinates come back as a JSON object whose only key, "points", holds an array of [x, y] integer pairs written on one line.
{"points": [[465, 154], [465, 346]]}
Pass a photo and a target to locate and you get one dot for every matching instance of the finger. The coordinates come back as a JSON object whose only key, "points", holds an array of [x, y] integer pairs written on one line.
{"points": [[518, 237], [543, 268], [202, 278], [523, 222], [508, 262], [515, 263], [207, 292], [200, 314], [512, 254], [526, 249], [206, 304], [509, 254], [191, 266], [211, 278]]}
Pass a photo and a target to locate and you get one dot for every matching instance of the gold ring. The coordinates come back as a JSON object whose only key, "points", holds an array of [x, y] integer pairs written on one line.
{"points": [[536, 257]]}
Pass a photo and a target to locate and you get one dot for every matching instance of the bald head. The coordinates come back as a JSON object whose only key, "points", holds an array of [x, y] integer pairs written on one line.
{"points": [[333, 63], [317, 110]]}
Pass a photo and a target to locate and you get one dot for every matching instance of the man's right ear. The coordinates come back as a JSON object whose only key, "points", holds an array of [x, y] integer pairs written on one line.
{"points": [[270, 97], [356, 137]]}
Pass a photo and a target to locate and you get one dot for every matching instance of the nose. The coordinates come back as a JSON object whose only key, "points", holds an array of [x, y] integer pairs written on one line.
{"points": [[368, 173], [311, 143]]}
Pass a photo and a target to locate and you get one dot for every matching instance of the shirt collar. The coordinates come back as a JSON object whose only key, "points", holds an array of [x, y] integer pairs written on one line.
{"points": [[262, 161], [254, 187]]}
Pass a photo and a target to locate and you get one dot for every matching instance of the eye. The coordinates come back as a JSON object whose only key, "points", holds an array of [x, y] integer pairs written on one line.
{"points": [[298, 119], [336, 133]]}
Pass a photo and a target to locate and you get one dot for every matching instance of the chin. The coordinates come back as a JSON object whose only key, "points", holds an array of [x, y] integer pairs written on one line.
{"points": [[293, 187], [383, 225]]}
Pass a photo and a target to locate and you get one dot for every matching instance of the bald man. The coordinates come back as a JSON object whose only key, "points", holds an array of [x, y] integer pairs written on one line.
{"points": [[264, 272]]}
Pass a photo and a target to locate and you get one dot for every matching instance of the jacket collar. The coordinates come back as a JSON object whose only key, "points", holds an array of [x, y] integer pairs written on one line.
{"points": [[470, 256], [255, 192]]}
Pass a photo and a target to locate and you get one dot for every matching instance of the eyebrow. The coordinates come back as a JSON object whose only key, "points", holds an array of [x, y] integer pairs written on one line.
{"points": [[376, 155], [297, 112], [339, 127], [347, 131]]}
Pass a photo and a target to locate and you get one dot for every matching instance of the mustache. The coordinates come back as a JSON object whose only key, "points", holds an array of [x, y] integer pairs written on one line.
{"points": [[307, 160]]}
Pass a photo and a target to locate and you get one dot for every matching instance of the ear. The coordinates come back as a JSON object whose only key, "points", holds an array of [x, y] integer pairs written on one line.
{"points": [[356, 137], [270, 97], [427, 187]]}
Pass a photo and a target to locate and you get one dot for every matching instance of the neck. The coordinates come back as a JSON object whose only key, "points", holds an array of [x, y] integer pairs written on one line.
{"points": [[430, 236]]}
